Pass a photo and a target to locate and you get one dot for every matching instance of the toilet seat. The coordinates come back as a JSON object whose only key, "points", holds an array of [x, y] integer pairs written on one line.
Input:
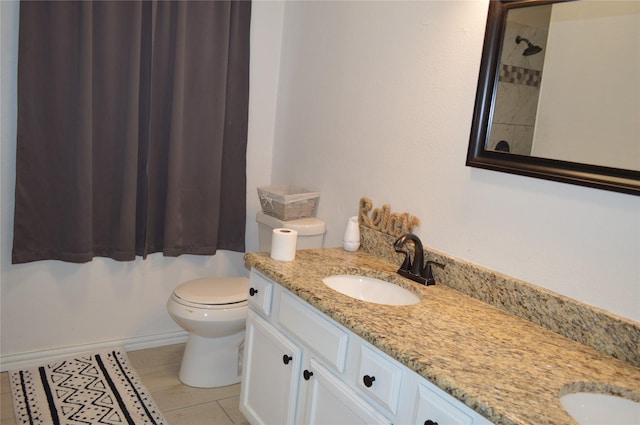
{"points": [[213, 293]]}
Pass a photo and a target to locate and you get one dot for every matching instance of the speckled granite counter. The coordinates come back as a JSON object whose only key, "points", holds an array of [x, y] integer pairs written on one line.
{"points": [[508, 369]]}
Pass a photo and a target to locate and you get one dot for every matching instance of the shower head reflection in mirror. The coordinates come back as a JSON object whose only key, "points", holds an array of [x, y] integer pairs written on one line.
{"points": [[531, 48]]}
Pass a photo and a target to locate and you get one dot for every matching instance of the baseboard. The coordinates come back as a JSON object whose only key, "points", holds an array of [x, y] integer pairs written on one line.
{"points": [[34, 358]]}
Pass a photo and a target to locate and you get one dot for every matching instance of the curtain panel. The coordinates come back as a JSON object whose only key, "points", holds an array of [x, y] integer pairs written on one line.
{"points": [[132, 129]]}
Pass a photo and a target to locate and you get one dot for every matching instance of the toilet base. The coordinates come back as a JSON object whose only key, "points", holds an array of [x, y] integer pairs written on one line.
{"points": [[212, 362]]}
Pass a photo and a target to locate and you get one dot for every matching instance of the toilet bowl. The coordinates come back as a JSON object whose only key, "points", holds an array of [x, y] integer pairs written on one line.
{"points": [[214, 312]]}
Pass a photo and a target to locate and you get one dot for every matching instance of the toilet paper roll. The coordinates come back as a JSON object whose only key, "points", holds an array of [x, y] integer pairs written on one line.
{"points": [[283, 244]]}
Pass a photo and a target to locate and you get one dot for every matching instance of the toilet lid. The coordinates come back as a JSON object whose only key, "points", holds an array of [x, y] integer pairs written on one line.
{"points": [[214, 291]]}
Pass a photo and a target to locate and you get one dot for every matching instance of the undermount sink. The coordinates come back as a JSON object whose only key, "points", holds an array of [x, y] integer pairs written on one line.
{"points": [[371, 290], [593, 408]]}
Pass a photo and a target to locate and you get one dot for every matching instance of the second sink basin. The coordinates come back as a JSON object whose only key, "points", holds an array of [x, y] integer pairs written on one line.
{"points": [[371, 290], [597, 409]]}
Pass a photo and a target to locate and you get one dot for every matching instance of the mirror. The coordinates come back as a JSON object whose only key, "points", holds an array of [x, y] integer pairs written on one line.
{"points": [[559, 93]]}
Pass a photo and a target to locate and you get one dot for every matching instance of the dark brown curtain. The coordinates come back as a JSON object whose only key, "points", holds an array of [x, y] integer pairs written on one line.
{"points": [[132, 128]]}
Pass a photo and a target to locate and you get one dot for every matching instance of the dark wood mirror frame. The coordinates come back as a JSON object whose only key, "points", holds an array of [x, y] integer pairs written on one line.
{"points": [[607, 178]]}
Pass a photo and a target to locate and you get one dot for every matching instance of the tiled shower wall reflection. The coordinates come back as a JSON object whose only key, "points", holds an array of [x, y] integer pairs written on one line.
{"points": [[519, 82]]}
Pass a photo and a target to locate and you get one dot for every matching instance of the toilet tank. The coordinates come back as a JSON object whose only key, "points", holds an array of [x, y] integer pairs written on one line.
{"points": [[310, 231]]}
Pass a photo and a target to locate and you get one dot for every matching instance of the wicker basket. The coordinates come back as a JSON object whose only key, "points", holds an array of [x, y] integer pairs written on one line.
{"points": [[288, 202]]}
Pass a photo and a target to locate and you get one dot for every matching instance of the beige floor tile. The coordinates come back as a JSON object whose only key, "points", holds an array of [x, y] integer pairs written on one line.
{"points": [[4, 383], [232, 407], [167, 355], [202, 414], [180, 395], [6, 405], [6, 409]]}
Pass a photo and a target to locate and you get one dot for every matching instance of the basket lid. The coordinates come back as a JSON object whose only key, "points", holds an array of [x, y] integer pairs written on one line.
{"points": [[304, 226]]}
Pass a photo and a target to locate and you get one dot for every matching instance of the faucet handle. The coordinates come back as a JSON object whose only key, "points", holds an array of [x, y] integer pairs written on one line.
{"points": [[398, 245], [427, 273], [406, 264]]}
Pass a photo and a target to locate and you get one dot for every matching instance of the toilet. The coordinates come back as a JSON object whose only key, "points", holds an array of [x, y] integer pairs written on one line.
{"points": [[214, 312]]}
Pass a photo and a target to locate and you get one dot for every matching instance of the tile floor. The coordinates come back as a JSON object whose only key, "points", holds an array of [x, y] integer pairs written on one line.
{"points": [[180, 404]]}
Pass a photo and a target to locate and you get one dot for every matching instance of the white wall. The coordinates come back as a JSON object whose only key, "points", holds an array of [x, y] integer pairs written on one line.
{"points": [[376, 100], [373, 99], [50, 306]]}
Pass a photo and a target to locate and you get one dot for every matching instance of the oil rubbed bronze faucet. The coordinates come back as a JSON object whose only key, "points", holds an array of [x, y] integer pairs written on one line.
{"points": [[415, 270]]}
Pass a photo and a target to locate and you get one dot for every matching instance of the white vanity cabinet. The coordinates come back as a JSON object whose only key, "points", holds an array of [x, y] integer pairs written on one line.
{"points": [[301, 367], [284, 380]]}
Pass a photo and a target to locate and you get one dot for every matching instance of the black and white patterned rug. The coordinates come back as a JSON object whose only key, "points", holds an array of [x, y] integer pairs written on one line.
{"points": [[100, 388]]}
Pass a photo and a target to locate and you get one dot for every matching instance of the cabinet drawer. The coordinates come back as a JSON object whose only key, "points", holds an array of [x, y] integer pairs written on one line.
{"points": [[430, 406], [260, 292], [329, 341], [330, 401], [380, 378]]}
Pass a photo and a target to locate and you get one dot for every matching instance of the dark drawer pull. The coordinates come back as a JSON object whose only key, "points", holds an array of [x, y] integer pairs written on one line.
{"points": [[368, 380], [253, 291], [307, 374], [286, 359]]}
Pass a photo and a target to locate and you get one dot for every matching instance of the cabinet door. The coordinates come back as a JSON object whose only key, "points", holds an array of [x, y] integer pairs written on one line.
{"points": [[431, 407], [330, 402], [271, 371], [379, 377]]}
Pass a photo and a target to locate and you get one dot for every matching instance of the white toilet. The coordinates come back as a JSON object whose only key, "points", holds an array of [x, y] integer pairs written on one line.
{"points": [[214, 312]]}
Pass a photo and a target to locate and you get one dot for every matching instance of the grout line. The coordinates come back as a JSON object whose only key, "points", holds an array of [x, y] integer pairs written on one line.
{"points": [[225, 412]]}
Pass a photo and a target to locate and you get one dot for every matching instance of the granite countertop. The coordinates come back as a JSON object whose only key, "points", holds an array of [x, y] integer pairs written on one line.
{"points": [[508, 369]]}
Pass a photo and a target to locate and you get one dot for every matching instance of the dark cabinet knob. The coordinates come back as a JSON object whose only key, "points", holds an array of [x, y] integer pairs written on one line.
{"points": [[368, 380], [430, 422], [307, 374], [286, 359], [253, 291]]}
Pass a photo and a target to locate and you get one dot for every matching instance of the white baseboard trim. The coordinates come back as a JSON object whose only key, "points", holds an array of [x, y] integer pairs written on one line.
{"points": [[35, 358]]}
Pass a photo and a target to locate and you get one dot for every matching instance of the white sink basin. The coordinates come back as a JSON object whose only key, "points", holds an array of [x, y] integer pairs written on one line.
{"points": [[371, 290], [593, 408]]}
